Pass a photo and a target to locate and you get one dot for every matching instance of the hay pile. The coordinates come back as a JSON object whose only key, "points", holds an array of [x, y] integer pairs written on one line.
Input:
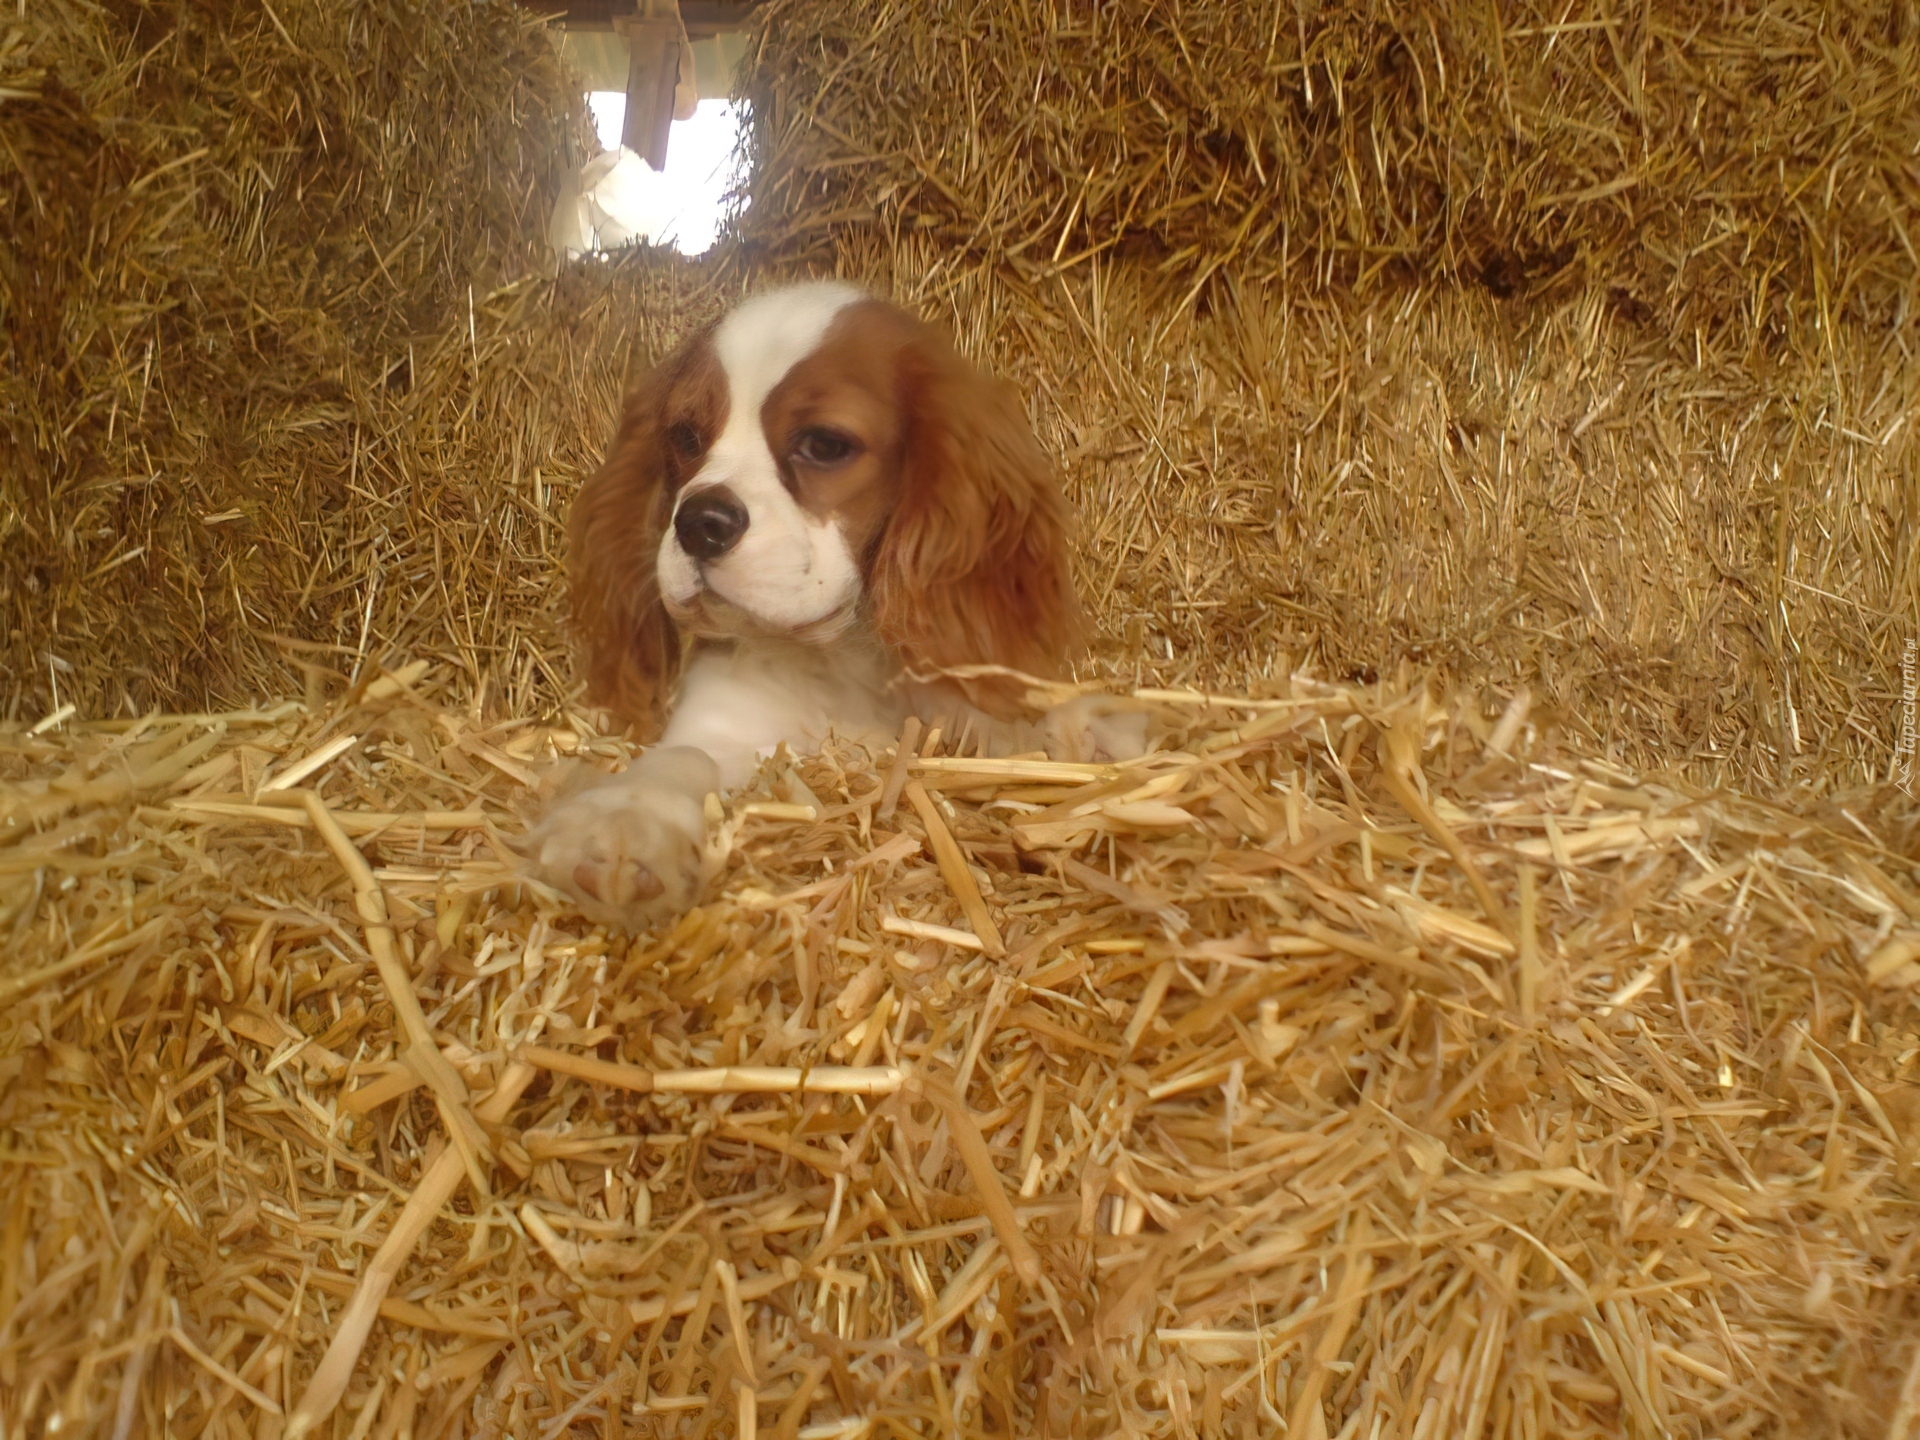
{"points": [[270, 314], [1355, 1063]]}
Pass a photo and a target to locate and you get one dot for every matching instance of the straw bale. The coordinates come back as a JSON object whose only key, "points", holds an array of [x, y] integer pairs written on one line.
{"points": [[270, 316], [1717, 164], [1357, 1063]]}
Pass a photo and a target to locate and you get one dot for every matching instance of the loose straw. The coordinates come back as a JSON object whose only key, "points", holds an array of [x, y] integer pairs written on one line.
{"points": [[96, 949], [220, 1372], [761, 1079], [422, 1054], [953, 869], [436, 1187], [352, 822], [1399, 762], [926, 930], [978, 1159], [1346, 1307], [897, 773]]}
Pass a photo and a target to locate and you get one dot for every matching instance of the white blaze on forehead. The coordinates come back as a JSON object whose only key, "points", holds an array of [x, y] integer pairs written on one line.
{"points": [[789, 568], [771, 333]]}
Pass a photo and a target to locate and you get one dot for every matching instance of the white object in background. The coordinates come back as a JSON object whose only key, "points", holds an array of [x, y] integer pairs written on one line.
{"points": [[612, 200], [575, 229], [617, 198]]}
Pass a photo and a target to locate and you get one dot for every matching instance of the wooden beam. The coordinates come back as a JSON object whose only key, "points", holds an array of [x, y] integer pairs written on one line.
{"points": [[652, 73], [716, 14], [701, 17]]}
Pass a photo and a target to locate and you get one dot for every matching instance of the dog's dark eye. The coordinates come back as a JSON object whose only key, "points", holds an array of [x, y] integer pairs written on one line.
{"points": [[684, 439], [824, 448]]}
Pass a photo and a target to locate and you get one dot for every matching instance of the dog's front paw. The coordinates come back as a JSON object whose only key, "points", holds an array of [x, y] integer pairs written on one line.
{"points": [[632, 851]]}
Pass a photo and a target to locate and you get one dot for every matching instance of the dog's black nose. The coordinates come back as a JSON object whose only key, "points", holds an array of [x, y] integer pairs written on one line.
{"points": [[710, 522]]}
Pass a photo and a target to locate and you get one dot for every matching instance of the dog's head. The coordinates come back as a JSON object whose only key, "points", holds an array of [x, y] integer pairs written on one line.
{"points": [[820, 466]]}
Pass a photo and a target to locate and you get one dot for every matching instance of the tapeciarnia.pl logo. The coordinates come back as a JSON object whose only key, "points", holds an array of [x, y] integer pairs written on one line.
{"points": [[1903, 748]]}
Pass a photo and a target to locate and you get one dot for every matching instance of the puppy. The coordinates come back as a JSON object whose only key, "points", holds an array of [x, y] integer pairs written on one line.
{"points": [[833, 508]]}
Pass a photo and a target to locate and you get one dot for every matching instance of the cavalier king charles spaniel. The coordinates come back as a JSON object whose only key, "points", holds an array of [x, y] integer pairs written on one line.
{"points": [[837, 511]]}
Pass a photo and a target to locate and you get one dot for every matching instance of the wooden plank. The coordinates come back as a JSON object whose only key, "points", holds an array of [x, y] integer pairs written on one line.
{"points": [[701, 17], [652, 72]]}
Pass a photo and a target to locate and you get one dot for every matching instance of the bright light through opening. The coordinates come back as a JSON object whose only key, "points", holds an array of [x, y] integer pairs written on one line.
{"points": [[683, 205], [609, 109]]}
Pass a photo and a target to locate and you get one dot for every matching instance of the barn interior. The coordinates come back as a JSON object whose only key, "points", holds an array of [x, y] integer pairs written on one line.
{"points": [[1489, 1012]]}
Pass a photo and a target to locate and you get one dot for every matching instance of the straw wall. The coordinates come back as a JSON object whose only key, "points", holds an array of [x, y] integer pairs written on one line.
{"points": [[1737, 166], [278, 385]]}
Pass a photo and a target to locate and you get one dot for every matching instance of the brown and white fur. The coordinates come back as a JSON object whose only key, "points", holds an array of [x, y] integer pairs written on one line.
{"points": [[829, 502]]}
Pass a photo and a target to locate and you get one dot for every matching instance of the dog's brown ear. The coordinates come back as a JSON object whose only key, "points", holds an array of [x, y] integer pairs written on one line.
{"points": [[629, 644], [974, 565]]}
